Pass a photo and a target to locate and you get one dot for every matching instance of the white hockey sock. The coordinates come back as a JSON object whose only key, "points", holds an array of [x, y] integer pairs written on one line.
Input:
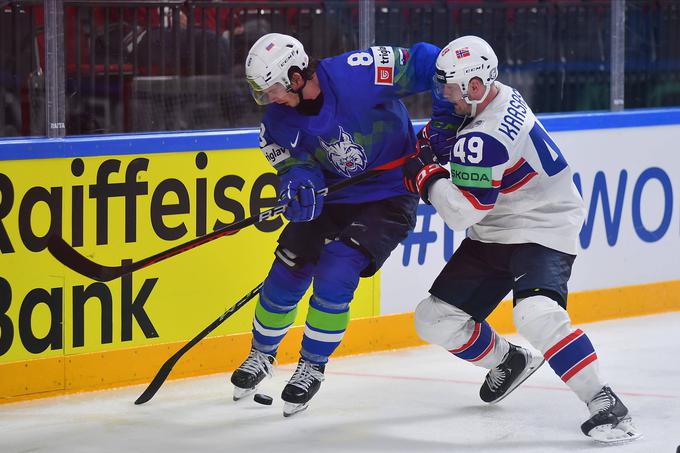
{"points": [[569, 352]]}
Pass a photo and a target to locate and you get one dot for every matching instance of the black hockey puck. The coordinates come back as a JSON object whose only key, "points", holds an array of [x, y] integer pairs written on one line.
{"points": [[263, 399]]}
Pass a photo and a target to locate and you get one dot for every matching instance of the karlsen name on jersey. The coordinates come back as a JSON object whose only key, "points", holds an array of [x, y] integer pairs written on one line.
{"points": [[362, 124], [511, 183]]}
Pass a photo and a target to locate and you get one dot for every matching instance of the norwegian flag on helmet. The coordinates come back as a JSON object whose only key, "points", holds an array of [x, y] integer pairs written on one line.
{"points": [[462, 53]]}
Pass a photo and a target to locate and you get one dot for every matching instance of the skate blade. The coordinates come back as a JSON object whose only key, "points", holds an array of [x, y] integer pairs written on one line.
{"points": [[293, 408], [240, 393], [622, 433], [534, 365]]}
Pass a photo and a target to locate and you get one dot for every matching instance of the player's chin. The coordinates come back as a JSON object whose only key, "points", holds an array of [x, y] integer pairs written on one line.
{"points": [[460, 110], [282, 101]]}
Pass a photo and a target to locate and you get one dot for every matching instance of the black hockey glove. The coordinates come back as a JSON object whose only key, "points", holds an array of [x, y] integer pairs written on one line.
{"points": [[421, 171]]}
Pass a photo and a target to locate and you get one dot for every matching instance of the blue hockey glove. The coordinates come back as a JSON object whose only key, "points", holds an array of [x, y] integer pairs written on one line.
{"points": [[421, 171], [297, 189], [442, 136]]}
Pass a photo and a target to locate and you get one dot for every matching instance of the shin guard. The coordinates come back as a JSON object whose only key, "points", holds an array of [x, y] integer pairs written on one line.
{"points": [[476, 342]]}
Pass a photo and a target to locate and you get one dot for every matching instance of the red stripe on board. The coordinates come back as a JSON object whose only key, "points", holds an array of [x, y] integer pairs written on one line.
{"points": [[421, 378]]}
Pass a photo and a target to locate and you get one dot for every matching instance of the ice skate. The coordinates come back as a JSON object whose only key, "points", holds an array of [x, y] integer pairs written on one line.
{"points": [[301, 387], [252, 371], [516, 367], [609, 422]]}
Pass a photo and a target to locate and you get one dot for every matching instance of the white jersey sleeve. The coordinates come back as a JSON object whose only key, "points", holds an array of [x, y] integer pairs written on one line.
{"points": [[478, 161], [511, 183]]}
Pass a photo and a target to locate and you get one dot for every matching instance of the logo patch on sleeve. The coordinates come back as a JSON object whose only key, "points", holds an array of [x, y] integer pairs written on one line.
{"points": [[465, 176], [275, 154], [383, 58]]}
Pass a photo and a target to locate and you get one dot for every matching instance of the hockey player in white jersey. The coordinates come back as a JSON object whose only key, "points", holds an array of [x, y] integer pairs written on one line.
{"points": [[512, 189]]}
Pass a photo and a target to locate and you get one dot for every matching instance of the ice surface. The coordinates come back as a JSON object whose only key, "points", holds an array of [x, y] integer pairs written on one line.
{"points": [[413, 400]]}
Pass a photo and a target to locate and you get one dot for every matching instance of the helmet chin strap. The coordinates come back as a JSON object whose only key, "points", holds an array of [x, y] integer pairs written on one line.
{"points": [[473, 104]]}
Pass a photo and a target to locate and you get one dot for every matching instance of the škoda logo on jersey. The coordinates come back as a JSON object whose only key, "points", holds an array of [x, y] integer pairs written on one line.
{"points": [[384, 65]]}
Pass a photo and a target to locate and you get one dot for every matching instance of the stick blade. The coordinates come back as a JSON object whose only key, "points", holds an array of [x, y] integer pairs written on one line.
{"points": [[156, 383], [70, 258], [166, 368]]}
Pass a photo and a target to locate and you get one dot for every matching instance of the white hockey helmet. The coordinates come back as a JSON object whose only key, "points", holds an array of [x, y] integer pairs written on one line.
{"points": [[462, 60], [267, 65]]}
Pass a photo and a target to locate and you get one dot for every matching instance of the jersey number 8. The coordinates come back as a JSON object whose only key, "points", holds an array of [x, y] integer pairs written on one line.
{"points": [[360, 59]]}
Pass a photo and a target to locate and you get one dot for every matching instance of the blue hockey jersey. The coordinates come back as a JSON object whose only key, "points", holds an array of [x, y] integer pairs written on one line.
{"points": [[363, 123]]}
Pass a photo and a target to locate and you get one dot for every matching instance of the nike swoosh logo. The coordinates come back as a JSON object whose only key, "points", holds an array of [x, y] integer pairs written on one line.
{"points": [[517, 278], [294, 143]]}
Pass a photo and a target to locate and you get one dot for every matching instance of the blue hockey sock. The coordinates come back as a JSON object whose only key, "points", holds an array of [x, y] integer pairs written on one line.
{"points": [[335, 279]]}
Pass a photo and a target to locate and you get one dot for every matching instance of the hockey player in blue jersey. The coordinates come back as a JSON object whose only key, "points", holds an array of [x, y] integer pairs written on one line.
{"points": [[512, 189], [327, 121]]}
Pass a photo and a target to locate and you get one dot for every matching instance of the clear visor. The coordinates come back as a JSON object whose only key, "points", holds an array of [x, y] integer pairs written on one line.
{"points": [[450, 92], [268, 95]]}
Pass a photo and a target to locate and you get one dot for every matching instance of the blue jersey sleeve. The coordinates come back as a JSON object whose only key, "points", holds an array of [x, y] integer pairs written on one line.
{"points": [[442, 110], [281, 157], [384, 73], [442, 129]]}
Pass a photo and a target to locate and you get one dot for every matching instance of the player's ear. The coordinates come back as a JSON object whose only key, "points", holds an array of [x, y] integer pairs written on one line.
{"points": [[296, 80], [476, 87]]}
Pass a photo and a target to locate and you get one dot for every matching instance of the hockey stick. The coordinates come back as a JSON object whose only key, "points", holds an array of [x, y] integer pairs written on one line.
{"points": [[165, 369], [72, 259]]}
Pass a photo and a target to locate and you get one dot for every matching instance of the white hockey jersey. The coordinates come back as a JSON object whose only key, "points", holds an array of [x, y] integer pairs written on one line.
{"points": [[511, 183]]}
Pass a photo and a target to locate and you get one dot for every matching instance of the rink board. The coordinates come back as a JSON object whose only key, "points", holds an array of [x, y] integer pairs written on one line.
{"points": [[127, 197]]}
